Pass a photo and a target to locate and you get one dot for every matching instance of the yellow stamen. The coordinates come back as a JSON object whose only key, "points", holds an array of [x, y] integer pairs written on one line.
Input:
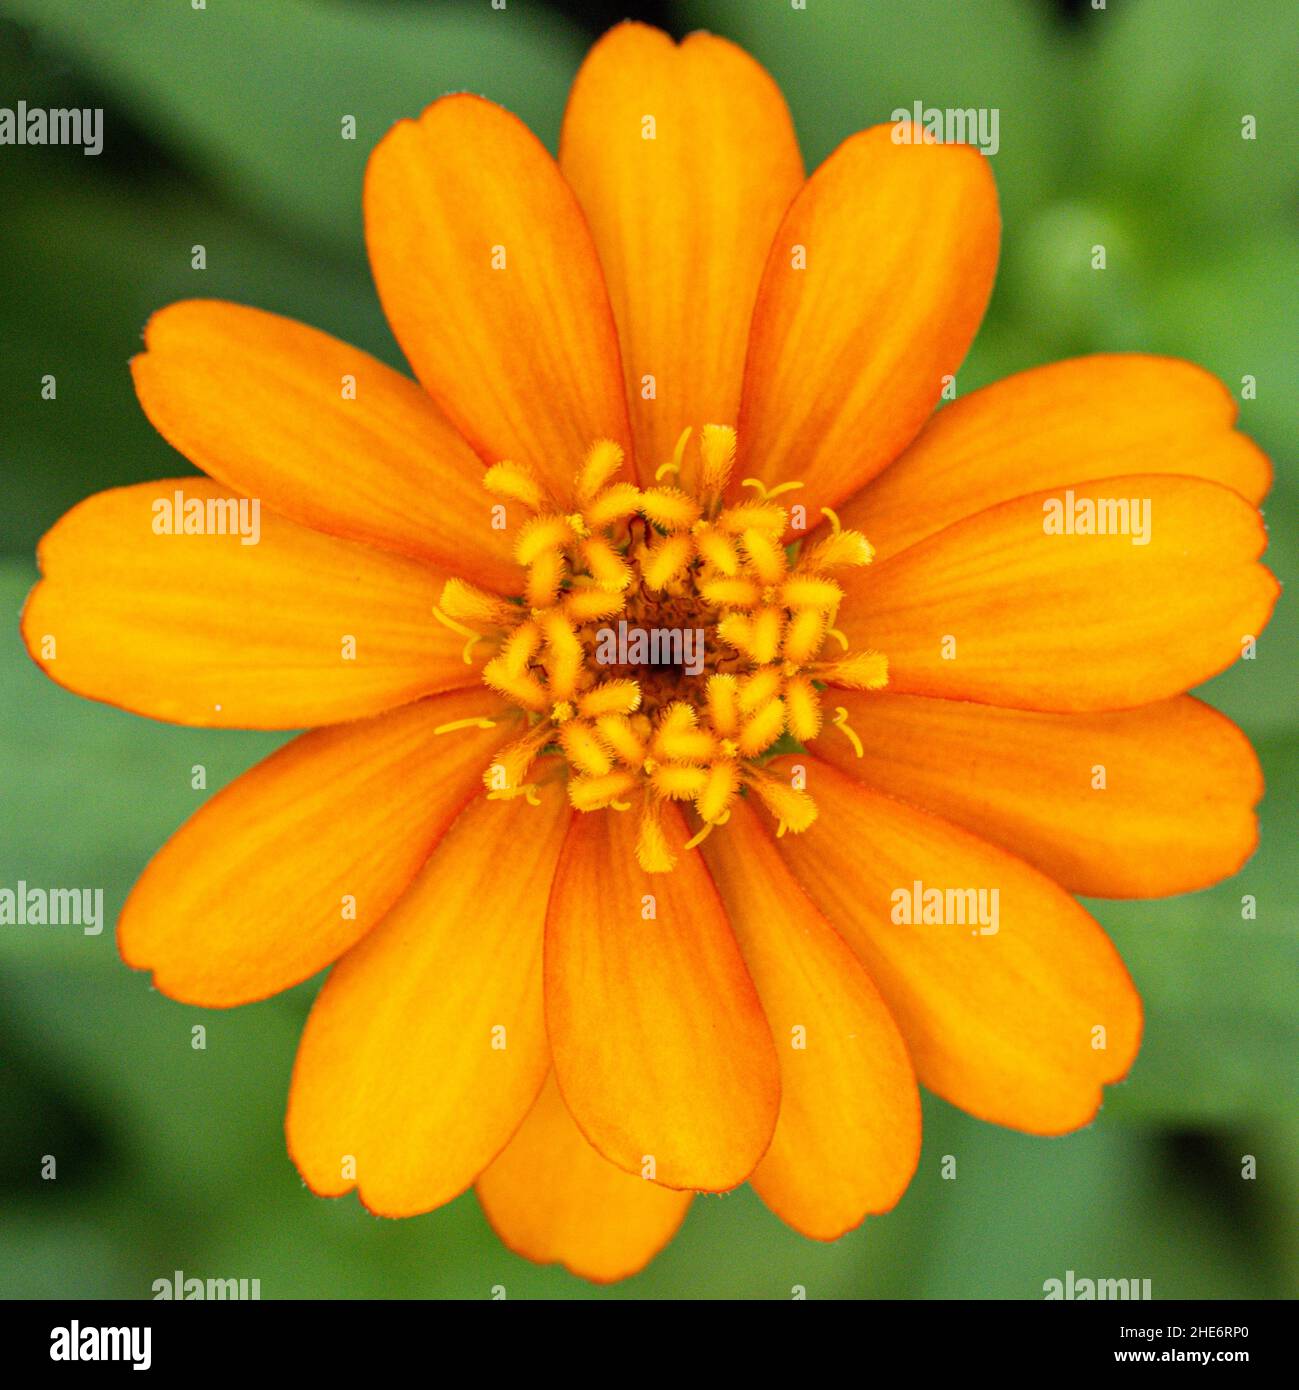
{"points": [[684, 745], [765, 639], [679, 448], [586, 605], [696, 840], [762, 729], [614, 504], [618, 733], [591, 793], [760, 516], [664, 561], [766, 555], [840, 722], [601, 465], [653, 853], [804, 635], [757, 688], [584, 750], [716, 549], [544, 578], [466, 603], [522, 687], [455, 724], [516, 482], [736, 630], [717, 452], [564, 655], [540, 534], [608, 568], [612, 697], [719, 791], [511, 764], [842, 548], [641, 740], [809, 591], [529, 792], [802, 708], [520, 647], [457, 627], [738, 592], [669, 508], [681, 782], [792, 807], [723, 704], [861, 671]]}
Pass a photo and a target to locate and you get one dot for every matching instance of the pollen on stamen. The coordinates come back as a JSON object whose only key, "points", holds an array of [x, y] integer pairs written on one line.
{"points": [[667, 644]]}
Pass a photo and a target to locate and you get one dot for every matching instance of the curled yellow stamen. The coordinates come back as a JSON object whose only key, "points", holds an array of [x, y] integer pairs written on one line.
{"points": [[459, 628], [840, 722], [696, 840], [529, 791]]}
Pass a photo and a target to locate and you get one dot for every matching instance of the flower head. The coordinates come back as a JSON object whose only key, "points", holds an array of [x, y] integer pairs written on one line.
{"points": [[707, 736]]}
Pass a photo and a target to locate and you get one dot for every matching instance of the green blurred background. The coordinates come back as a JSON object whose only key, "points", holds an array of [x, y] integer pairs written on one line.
{"points": [[1120, 125]]}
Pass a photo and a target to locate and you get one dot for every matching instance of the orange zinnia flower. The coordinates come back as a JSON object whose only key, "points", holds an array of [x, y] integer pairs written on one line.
{"points": [[580, 961]]}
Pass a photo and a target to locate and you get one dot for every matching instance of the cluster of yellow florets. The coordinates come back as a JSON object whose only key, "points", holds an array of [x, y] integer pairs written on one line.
{"points": [[665, 557]]}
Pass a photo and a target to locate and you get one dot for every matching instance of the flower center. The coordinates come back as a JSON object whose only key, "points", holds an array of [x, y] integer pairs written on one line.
{"points": [[667, 644]]}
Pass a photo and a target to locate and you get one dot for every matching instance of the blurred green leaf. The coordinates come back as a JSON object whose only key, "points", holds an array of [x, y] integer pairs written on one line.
{"points": [[74, 307], [170, 1157], [1169, 86], [1221, 990], [90, 792], [845, 65], [254, 94]]}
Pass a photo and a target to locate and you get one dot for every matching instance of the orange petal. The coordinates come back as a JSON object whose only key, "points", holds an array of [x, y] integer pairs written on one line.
{"points": [[660, 1044], [682, 211], [848, 1137], [262, 404], [1057, 426], [1135, 803], [205, 630], [1047, 621], [1021, 1026], [427, 1045], [847, 355], [551, 1198], [491, 282], [293, 862]]}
